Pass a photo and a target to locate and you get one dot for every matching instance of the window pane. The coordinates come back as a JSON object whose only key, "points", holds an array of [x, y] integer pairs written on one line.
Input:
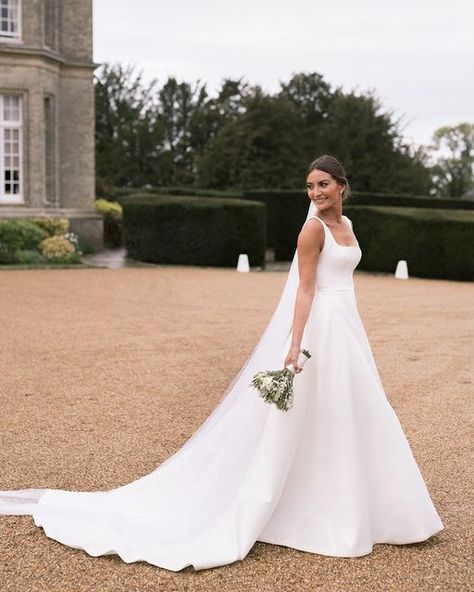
{"points": [[11, 138], [9, 18]]}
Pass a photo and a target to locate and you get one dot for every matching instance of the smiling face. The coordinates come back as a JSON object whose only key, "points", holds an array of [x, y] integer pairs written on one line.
{"points": [[323, 190]]}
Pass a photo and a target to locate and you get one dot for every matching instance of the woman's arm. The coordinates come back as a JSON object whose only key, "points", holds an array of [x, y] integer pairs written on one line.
{"points": [[310, 242]]}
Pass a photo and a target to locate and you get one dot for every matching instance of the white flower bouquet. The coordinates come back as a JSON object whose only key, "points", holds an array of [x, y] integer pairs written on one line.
{"points": [[276, 386]]}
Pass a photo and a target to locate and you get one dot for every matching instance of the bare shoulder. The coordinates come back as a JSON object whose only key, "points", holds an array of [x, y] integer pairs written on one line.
{"points": [[311, 235]]}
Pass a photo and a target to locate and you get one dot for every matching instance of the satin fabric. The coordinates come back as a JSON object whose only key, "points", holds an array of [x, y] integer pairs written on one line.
{"points": [[334, 475]]}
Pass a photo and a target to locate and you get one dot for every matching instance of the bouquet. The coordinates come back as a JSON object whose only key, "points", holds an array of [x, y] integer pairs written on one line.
{"points": [[276, 386]]}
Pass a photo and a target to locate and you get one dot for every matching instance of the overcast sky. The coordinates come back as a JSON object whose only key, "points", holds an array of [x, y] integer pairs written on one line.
{"points": [[418, 55]]}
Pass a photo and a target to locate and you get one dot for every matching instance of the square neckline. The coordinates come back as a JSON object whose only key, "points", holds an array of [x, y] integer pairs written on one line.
{"points": [[332, 236]]}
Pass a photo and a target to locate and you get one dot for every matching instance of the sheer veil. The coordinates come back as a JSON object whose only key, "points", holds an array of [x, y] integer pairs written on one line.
{"points": [[268, 353]]}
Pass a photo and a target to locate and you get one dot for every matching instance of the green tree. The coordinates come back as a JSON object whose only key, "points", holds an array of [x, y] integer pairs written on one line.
{"points": [[453, 154], [211, 116], [367, 140], [257, 149], [128, 133], [311, 95], [244, 138], [178, 112]]}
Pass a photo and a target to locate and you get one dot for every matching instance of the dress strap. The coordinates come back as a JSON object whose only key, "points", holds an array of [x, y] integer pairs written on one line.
{"points": [[316, 218], [325, 228], [348, 219]]}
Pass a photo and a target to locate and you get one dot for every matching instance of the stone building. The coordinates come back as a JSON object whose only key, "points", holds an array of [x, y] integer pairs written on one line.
{"points": [[47, 113]]}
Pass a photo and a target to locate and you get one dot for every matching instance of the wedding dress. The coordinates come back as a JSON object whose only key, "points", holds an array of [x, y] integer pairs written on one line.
{"points": [[334, 475]]}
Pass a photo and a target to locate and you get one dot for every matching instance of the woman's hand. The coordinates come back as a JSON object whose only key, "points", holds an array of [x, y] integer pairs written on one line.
{"points": [[292, 358]]}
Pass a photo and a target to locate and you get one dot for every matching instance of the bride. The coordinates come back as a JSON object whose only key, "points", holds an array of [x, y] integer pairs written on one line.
{"points": [[334, 475]]}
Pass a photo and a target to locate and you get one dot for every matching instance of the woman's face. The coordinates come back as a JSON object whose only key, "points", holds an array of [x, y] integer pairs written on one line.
{"points": [[323, 190]]}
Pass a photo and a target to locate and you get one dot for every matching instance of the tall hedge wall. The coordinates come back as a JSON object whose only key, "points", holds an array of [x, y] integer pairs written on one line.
{"points": [[436, 243], [193, 230], [360, 198], [286, 211]]}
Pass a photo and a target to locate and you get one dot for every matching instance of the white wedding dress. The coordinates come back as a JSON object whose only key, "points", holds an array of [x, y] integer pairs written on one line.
{"points": [[334, 475]]}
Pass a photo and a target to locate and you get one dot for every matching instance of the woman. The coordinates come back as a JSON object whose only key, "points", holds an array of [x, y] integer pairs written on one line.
{"points": [[334, 475]]}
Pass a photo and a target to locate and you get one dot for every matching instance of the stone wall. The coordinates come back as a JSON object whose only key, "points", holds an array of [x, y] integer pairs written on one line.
{"points": [[56, 86]]}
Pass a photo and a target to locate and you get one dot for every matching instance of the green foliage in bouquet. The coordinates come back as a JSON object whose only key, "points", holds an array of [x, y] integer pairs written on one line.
{"points": [[276, 386]]}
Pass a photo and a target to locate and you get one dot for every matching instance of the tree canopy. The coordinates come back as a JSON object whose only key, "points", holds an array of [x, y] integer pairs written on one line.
{"points": [[245, 138], [453, 154]]}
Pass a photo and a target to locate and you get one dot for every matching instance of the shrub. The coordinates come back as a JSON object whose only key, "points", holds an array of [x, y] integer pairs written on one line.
{"points": [[109, 208], [194, 230], [112, 213], [53, 226], [18, 235], [29, 257], [57, 248], [436, 243]]}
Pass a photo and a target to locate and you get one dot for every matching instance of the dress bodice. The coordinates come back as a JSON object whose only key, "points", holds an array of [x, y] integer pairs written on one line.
{"points": [[336, 263]]}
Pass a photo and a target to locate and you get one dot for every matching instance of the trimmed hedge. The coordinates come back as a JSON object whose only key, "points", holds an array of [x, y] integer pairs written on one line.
{"points": [[193, 231], [360, 198], [119, 193], [363, 198], [436, 243], [286, 211]]}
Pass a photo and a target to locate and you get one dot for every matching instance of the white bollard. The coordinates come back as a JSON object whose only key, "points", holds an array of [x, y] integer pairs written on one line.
{"points": [[243, 263], [401, 273]]}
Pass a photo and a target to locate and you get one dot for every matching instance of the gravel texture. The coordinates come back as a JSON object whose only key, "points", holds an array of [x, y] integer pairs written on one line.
{"points": [[105, 373]]}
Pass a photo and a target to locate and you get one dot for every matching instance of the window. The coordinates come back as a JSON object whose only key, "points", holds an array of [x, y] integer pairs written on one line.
{"points": [[10, 18], [49, 145], [50, 24], [10, 149]]}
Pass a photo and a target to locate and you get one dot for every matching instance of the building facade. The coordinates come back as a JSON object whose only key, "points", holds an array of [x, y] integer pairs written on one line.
{"points": [[47, 113]]}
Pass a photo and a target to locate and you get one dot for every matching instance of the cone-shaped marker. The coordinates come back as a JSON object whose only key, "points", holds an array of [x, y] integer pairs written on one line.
{"points": [[401, 273], [243, 263]]}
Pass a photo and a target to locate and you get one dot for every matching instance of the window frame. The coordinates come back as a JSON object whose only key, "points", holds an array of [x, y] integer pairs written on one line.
{"points": [[50, 24], [6, 37], [11, 198]]}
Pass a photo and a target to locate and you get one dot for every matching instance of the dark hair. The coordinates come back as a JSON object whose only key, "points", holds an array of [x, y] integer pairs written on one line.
{"points": [[333, 167]]}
